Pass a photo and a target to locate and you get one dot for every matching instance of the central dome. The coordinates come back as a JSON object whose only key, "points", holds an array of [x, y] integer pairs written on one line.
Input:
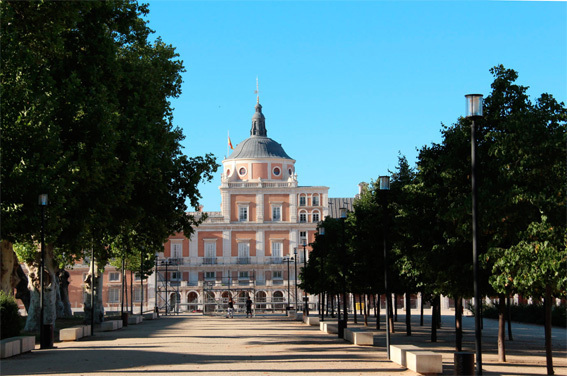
{"points": [[258, 147]]}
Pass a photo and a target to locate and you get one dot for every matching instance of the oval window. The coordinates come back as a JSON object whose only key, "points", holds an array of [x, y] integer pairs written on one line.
{"points": [[289, 171], [277, 171], [227, 172], [242, 171]]}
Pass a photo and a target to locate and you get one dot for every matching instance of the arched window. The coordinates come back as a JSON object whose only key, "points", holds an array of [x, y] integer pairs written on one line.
{"points": [[302, 216]]}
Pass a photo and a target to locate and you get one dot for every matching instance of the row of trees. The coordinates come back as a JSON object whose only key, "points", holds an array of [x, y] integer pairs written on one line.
{"points": [[522, 205], [87, 119]]}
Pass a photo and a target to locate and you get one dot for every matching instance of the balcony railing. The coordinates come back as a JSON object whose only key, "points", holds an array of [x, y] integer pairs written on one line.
{"points": [[241, 260], [209, 260], [274, 260]]}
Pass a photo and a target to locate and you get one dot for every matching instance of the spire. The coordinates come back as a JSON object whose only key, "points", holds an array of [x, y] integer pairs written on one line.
{"points": [[258, 120]]}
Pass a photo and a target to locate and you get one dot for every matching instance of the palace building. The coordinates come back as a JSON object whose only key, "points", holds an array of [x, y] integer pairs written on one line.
{"points": [[255, 244]]}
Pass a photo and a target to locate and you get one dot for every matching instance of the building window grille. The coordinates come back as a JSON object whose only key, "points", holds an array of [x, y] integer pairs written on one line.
{"points": [[113, 295], [243, 213], [276, 213], [209, 276], [315, 200], [302, 201], [316, 217], [302, 217], [114, 277]]}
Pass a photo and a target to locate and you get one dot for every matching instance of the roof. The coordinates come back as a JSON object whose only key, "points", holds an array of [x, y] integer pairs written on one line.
{"points": [[335, 204], [258, 147]]}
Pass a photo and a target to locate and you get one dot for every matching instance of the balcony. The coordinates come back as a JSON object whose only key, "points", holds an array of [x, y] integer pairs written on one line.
{"points": [[243, 260], [209, 260], [274, 260]]}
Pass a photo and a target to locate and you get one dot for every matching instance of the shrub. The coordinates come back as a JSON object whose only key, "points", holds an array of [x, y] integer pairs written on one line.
{"points": [[530, 313], [11, 322]]}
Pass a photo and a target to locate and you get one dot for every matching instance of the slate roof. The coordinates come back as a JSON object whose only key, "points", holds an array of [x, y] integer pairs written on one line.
{"points": [[342, 202], [258, 147]]}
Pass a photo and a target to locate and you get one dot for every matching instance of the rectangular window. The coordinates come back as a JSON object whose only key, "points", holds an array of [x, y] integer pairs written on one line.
{"points": [[316, 217], [302, 201], [315, 200], [176, 276], [276, 213], [210, 276], [176, 250], [243, 213], [243, 275], [302, 217], [137, 294], [244, 253], [277, 274], [210, 253], [113, 295], [114, 277], [302, 237], [277, 252], [137, 277]]}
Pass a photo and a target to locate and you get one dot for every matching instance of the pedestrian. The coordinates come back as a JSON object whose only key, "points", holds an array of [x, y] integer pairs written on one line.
{"points": [[248, 307], [230, 313]]}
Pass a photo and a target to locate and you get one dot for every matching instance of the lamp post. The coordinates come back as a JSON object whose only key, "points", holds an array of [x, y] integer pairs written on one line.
{"points": [[295, 262], [156, 287], [288, 260], [343, 323], [305, 299], [45, 334], [322, 301], [166, 262], [142, 281], [473, 112], [385, 187]]}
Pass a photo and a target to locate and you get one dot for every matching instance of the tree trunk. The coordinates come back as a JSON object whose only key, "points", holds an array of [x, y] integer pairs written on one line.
{"points": [[459, 324], [509, 318], [8, 262], [438, 302], [22, 290], [49, 293], [377, 311], [548, 351], [132, 293], [408, 314], [395, 305], [421, 310], [64, 308], [434, 321], [98, 307], [501, 328], [354, 308], [392, 328]]}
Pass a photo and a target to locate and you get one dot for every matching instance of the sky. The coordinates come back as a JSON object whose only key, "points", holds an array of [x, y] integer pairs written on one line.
{"points": [[347, 87]]}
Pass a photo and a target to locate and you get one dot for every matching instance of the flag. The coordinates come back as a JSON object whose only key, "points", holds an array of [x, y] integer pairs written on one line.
{"points": [[230, 144]]}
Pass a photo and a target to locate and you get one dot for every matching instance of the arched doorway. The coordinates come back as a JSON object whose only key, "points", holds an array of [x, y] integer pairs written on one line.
{"points": [[277, 300], [260, 301], [192, 301], [174, 300]]}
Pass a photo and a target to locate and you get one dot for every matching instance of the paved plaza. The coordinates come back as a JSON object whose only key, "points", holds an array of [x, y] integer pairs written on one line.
{"points": [[270, 345]]}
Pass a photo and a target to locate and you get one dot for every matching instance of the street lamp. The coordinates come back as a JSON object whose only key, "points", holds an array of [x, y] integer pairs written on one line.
{"points": [[295, 262], [305, 299], [45, 333], [166, 262], [385, 187], [343, 323], [473, 112], [288, 259], [156, 287]]}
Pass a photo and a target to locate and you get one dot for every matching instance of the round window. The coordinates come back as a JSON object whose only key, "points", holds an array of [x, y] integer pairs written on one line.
{"points": [[227, 172], [242, 171], [277, 171]]}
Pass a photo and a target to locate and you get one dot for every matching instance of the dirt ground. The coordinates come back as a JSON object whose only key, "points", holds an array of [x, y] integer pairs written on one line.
{"points": [[273, 345]]}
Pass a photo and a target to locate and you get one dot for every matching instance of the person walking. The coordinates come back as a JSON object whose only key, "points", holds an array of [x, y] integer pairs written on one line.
{"points": [[248, 307], [230, 313]]}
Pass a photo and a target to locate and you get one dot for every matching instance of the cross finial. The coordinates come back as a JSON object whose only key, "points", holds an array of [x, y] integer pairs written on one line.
{"points": [[257, 92]]}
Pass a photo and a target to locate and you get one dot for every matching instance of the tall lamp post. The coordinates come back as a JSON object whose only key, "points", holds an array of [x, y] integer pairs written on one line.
{"points": [[343, 323], [288, 260], [295, 262], [305, 299], [473, 112], [156, 287], [45, 334], [385, 187]]}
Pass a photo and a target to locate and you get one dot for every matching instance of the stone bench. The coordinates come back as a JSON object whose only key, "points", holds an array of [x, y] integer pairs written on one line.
{"points": [[299, 316], [134, 319], [9, 347], [71, 334], [312, 320], [424, 362], [327, 327], [27, 343], [292, 314], [398, 353], [86, 330], [150, 316], [107, 326], [359, 337]]}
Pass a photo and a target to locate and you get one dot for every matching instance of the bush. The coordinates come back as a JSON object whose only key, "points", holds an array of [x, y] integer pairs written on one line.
{"points": [[10, 319], [531, 314]]}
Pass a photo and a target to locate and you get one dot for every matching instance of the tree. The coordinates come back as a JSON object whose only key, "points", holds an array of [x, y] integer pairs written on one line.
{"points": [[88, 120]]}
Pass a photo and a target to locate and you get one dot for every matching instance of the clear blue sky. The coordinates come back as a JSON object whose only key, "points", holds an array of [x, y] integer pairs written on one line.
{"points": [[345, 86]]}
